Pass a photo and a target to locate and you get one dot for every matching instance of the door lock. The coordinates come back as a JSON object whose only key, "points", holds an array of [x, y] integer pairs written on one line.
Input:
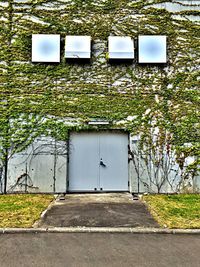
{"points": [[102, 164]]}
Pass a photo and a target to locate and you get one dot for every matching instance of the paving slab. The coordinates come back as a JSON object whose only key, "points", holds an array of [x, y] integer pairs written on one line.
{"points": [[97, 210]]}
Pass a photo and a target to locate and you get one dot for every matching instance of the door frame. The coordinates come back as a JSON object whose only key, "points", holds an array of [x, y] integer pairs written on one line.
{"points": [[68, 158]]}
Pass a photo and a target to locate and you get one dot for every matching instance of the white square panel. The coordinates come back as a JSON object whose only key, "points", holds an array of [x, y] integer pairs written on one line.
{"points": [[45, 48], [120, 47], [152, 49], [77, 46]]}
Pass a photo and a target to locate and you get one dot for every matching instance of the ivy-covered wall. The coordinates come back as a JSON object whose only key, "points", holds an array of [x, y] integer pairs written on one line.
{"points": [[134, 96]]}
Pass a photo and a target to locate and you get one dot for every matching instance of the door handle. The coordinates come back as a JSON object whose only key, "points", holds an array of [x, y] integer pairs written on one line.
{"points": [[102, 164]]}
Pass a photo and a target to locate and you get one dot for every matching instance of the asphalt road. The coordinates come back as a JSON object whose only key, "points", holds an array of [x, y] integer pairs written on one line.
{"points": [[99, 249]]}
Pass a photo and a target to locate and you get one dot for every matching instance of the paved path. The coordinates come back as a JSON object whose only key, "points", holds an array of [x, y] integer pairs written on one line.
{"points": [[99, 250], [98, 210]]}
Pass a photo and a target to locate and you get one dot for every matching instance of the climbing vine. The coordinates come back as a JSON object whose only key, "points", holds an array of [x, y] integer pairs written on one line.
{"points": [[41, 98]]}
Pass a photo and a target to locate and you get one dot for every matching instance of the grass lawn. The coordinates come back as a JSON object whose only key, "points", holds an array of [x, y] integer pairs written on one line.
{"points": [[22, 210], [175, 211]]}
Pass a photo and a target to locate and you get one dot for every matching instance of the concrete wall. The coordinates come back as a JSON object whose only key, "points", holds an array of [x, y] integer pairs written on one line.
{"points": [[165, 177], [42, 167]]}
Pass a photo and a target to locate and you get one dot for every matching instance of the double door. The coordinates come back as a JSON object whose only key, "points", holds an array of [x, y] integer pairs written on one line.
{"points": [[98, 161]]}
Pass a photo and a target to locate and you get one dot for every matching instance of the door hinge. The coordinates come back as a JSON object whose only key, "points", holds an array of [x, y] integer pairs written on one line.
{"points": [[128, 183], [67, 183]]}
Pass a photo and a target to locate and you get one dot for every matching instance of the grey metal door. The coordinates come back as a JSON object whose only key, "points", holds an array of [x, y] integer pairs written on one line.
{"points": [[98, 161], [113, 150]]}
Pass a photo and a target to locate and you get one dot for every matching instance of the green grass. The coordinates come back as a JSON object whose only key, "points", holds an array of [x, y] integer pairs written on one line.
{"points": [[175, 211], [22, 210]]}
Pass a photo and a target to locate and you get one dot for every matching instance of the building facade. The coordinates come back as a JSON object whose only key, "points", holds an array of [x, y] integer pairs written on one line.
{"points": [[99, 125]]}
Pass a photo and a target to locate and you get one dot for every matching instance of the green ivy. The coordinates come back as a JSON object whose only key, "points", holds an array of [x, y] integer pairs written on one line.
{"points": [[46, 95]]}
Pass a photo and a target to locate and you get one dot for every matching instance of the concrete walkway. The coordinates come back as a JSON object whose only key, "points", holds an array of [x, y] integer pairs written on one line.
{"points": [[97, 210]]}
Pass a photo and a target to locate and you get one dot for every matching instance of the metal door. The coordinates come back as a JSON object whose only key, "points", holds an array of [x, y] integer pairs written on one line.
{"points": [[98, 161], [114, 156], [83, 158]]}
